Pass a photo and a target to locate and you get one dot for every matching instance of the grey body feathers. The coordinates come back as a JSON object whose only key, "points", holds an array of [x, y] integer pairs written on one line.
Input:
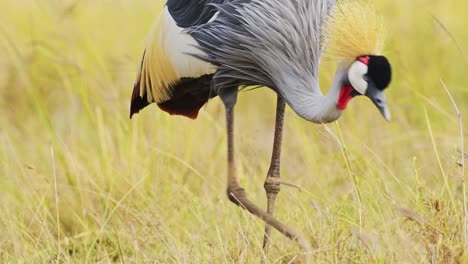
{"points": [[251, 41], [275, 43]]}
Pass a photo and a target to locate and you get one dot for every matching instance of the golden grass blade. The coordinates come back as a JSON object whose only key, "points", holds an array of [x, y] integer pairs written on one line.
{"points": [[447, 187], [462, 163]]}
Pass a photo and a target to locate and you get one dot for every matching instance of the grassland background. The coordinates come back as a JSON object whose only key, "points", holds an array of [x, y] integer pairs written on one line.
{"points": [[80, 182]]}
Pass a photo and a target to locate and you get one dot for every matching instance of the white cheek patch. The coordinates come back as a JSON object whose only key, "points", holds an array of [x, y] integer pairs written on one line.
{"points": [[356, 76]]}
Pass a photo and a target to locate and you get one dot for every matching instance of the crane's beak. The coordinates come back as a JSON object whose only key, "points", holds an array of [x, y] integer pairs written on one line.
{"points": [[377, 96]]}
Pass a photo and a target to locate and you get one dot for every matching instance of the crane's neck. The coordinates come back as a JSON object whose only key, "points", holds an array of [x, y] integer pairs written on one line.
{"points": [[311, 104]]}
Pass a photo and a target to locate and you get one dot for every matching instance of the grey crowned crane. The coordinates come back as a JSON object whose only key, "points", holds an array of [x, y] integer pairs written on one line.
{"points": [[200, 49]]}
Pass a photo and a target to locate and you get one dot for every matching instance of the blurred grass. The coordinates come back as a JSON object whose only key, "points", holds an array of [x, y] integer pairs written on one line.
{"points": [[80, 182]]}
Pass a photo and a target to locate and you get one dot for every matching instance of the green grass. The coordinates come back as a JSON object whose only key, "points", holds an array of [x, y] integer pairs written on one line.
{"points": [[80, 182]]}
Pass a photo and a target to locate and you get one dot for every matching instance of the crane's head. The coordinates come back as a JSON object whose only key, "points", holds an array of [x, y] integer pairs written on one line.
{"points": [[355, 35], [369, 75]]}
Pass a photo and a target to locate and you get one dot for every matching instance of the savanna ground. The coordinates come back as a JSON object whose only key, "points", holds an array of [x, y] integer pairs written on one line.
{"points": [[81, 182]]}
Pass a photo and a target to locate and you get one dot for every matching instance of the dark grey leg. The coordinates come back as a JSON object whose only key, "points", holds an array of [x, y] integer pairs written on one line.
{"points": [[272, 187], [237, 194]]}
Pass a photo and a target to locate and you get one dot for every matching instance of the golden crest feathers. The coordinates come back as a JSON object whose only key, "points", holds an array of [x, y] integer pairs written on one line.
{"points": [[353, 29]]}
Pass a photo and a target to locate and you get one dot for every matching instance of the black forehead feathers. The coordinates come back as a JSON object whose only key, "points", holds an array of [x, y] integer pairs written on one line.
{"points": [[380, 71]]}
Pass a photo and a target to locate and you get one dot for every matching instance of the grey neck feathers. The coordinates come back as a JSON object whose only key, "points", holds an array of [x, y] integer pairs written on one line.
{"points": [[310, 103]]}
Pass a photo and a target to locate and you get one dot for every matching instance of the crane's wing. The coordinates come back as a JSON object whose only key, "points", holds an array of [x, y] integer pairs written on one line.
{"points": [[265, 42], [165, 65]]}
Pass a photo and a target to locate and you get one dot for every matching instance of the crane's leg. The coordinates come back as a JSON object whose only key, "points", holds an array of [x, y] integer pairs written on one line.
{"points": [[237, 194], [272, 187]]}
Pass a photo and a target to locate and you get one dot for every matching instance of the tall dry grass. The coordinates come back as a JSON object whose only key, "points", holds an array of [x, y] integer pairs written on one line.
{"points": [[80, 182]]}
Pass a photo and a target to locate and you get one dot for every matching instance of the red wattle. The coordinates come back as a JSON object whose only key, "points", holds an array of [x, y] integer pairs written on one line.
{"points": [[345, 97], [364, 60]]}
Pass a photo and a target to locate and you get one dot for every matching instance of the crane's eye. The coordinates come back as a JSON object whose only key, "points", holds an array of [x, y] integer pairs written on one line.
{"points": [[357, 76]]}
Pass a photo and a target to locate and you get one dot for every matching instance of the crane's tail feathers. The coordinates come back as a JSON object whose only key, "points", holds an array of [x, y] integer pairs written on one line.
{"points": [[157, 74], [138, 101], [189, 95]]}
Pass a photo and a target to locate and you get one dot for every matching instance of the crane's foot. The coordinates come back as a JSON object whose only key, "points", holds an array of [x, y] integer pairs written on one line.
{"points": [[238, 196]]}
